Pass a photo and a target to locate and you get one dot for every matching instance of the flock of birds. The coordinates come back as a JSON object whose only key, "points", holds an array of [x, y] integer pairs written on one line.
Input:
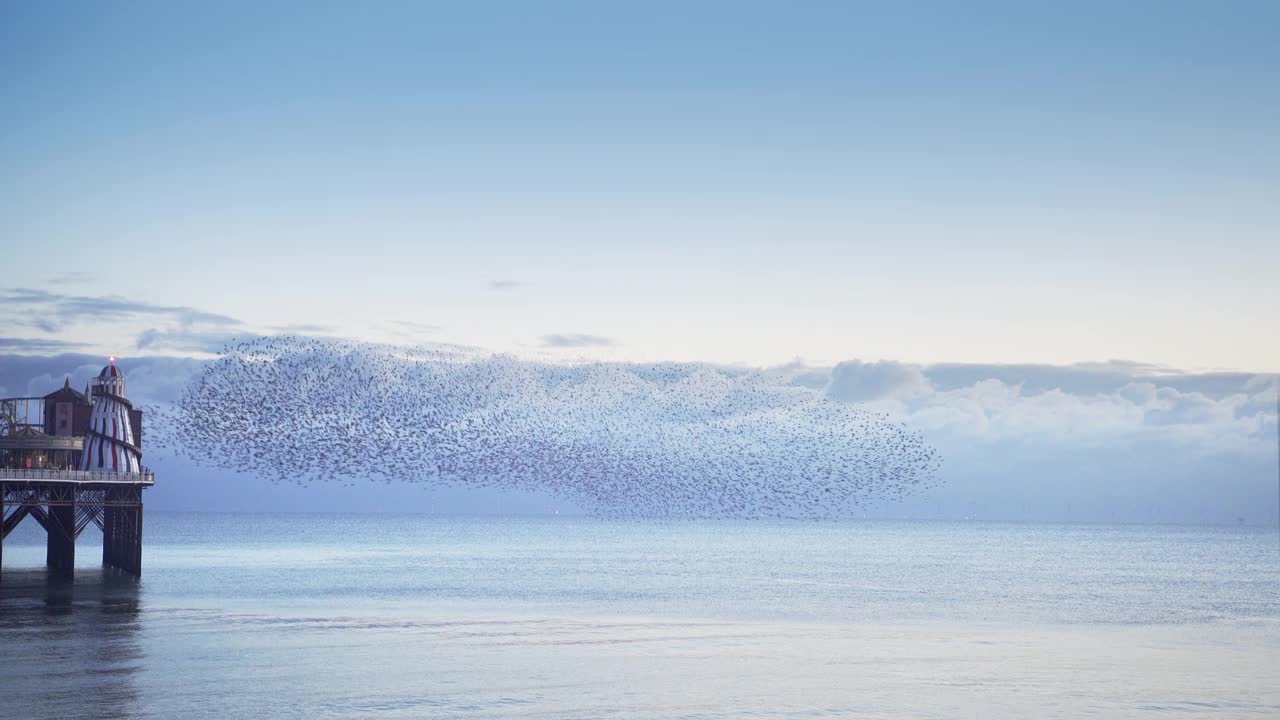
{"points": [[618, 439]]}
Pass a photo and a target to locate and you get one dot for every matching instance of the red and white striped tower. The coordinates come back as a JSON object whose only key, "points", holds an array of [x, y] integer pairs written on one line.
{"points": [[110, 444]]}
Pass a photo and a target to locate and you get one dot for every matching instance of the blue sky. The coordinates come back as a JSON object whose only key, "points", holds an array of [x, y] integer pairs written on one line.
{"points": [[739, 182], [1043, 233]]}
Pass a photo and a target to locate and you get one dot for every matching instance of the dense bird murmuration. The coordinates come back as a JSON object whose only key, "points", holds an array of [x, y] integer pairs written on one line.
{"points": [[618, 439]]}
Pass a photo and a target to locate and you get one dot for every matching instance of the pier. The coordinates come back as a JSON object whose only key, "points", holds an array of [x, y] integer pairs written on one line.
{"points": [[65, 502], [71, 459]]}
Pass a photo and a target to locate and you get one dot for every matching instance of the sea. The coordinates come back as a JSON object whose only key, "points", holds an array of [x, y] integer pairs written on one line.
{"points": [[425, 616]]}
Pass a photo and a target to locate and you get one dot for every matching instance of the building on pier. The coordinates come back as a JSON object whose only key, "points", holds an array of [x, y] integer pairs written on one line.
{"points": [[69, 459]]}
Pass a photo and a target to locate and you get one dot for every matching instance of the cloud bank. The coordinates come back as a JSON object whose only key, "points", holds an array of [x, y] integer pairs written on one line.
{"points": [[1096, 404], [52, 312], [1099, 442]]}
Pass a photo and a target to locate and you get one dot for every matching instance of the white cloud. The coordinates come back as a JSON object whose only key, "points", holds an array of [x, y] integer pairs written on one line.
{"points": [[1130, 422], [858, 381]]}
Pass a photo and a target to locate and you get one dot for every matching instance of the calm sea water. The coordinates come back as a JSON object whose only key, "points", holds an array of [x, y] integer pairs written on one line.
{"points": [[333, 616]]}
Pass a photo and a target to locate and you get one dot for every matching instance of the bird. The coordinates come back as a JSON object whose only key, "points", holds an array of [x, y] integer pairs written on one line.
{"points": [[622, 440]]}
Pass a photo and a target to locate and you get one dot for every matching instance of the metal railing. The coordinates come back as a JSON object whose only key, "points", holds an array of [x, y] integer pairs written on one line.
{"points": [[146, 477]]}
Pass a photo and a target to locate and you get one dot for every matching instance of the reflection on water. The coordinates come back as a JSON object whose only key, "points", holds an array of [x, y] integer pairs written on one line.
{"points": [[71, 646]]}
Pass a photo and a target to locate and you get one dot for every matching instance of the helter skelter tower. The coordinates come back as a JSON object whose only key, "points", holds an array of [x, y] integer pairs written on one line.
{"points": [[110, 444]]}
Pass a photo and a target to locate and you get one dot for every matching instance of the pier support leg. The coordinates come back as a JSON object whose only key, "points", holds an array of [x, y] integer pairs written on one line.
{"points": [[137, 545], [122, 537], [131, 547], [108, 535], [60, 550]]}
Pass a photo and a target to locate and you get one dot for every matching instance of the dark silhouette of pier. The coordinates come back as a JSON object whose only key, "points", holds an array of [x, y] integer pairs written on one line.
{"points": [[65, 502]]}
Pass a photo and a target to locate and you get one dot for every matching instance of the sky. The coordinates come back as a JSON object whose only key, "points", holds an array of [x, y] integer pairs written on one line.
{"points": [[739, 182], [1011, 189]]}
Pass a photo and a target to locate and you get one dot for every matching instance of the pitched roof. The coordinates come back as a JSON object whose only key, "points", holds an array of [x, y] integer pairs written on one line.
{"points": [[66, 393]]}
